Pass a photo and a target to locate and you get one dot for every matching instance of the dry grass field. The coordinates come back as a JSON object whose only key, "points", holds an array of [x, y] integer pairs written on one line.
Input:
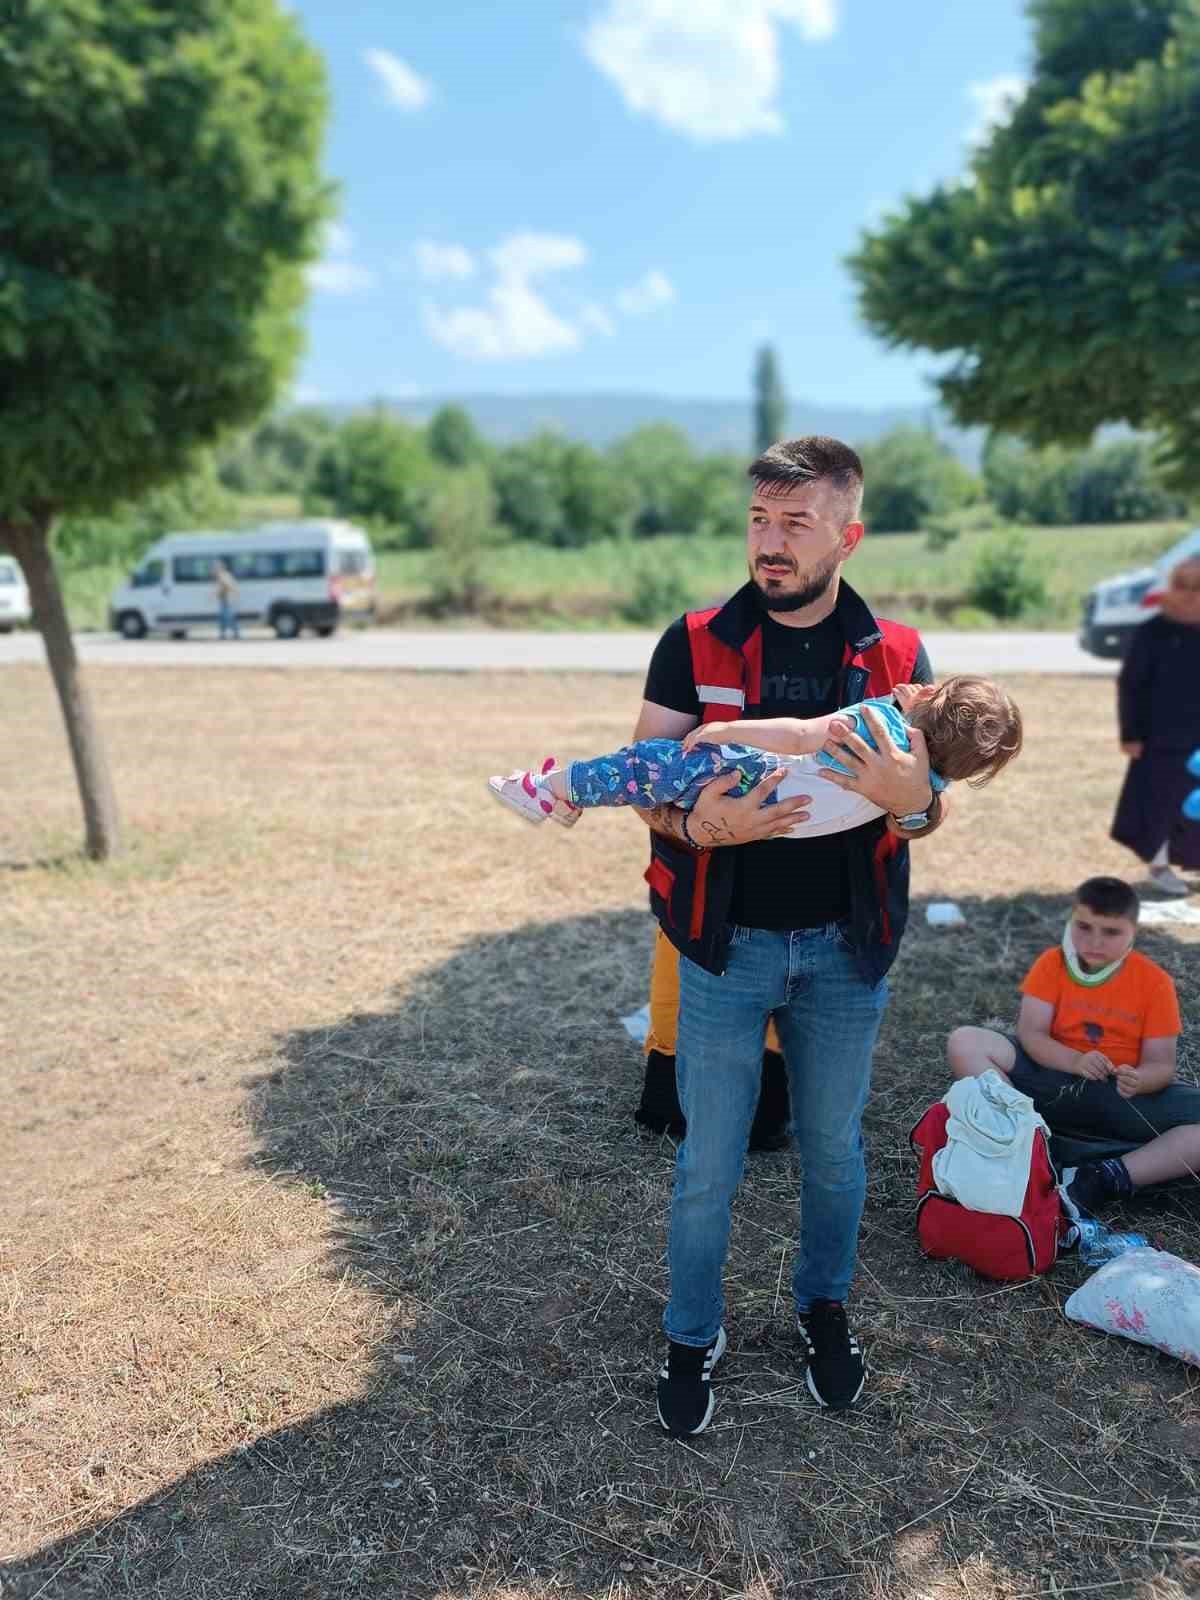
{"points": [[331, 1262]]}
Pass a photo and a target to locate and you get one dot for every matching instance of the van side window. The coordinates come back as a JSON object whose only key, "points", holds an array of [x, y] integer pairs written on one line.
{"points": [[149, 575], [194, 569], [304, 563], [253, 564]]}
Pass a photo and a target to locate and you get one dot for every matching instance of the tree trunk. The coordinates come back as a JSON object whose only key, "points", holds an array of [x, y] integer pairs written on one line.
{"points": [[30, 543]]}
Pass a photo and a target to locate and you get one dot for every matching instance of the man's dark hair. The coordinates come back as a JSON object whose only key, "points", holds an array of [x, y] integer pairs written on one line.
{"points": [[793, 462], [1108, 897]]}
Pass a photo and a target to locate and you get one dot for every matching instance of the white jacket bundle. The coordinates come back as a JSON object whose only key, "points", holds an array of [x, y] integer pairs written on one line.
{"points": [[985, 1161]]}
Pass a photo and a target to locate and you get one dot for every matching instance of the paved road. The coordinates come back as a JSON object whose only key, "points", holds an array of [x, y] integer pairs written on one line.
{"points": [[483, 651]]}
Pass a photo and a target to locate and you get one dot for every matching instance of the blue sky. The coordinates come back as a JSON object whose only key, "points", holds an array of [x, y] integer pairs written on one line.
{"points": [[582, 195]]}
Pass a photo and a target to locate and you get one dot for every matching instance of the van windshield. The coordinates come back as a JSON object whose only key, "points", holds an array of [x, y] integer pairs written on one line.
{"points": [[8, 572]]}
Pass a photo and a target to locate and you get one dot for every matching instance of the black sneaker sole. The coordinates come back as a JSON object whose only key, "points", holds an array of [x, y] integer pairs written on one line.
{"points": [[690, 1433], [827, 1405]]}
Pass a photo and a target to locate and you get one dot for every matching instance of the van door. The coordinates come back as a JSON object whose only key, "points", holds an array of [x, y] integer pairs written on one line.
{"points": [[188, 596], [151, 583]]}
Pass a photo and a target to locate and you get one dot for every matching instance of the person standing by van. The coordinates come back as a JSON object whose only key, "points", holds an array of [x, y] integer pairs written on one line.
{"points": [[1159, 713], [226, 590]]}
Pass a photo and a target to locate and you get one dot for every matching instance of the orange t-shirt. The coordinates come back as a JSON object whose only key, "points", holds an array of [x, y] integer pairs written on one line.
{"points": [[1138, 1002]]}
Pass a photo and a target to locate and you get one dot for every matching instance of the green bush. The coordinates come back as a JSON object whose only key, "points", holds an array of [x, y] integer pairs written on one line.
{"points": [[659, 592], [461, 514], [940, 534], [1003, 581], [1055, 487], [912, 476]]}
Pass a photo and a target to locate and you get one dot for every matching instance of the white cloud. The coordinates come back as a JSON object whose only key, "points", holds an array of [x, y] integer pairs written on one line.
{"points": [[404, 87], [339, 241], [443, 260], [647, 294], [340, 277], [531, 255], [595, 319], [336, 273], [705, 68], [514, 320], [994, 101]]}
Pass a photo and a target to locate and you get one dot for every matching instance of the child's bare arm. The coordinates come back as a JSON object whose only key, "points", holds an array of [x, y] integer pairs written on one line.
{"points": [[785, 736], [1033, 1031], [1154, 1071]]}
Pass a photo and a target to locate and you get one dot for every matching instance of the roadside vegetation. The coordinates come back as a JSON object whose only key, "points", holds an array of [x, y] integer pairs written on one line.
{"points": [[551, 533]]}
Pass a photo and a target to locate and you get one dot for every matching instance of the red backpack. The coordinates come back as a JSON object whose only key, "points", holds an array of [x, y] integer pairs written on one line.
{"points": [[996, 1246]]}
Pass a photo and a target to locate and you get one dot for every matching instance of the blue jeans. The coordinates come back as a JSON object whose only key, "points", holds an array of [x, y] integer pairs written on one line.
{"points": [[227, 620], [828, 1016]]}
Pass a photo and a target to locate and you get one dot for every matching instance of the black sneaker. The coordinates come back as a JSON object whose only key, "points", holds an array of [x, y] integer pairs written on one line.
{"points": [[836, 1372], [1096, 1183], [685, 1397]]}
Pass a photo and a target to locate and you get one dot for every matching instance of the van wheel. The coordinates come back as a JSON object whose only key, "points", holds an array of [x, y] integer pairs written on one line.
{"points": [[326, 630], [131, 625], [286, 624]]}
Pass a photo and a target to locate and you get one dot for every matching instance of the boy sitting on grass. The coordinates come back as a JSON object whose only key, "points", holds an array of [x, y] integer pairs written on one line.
{"points": [[1095, 1050]]}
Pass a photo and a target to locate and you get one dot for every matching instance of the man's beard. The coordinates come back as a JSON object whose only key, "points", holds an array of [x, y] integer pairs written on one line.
{"points": [[813, 586]]}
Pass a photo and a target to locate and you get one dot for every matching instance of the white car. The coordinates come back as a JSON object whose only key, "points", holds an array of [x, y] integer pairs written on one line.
{"points": [[14, 596], [1114, 608], [289, 575]]}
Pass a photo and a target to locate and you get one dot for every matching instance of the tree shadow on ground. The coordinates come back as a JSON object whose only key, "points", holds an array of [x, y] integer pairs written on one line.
{"points": [[477, 1142]]}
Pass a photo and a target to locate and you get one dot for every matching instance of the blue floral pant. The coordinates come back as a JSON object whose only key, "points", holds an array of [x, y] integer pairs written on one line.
{"points": [[656, 772]]}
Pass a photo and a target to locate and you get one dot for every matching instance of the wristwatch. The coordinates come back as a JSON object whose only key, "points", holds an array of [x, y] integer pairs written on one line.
{"points": [[912, 821]]}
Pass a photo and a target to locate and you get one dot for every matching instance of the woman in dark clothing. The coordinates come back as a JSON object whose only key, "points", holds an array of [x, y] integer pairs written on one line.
{"points": [[1158, 699]]}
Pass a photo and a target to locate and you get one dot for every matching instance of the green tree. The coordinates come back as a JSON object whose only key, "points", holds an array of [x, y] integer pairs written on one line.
{"points": [[279, 456], [378, 468], [770, 401], [561, 492], [453, 438], [1063, 275], [912, 476], [658, 464], [199, 500], [161, 195], [462, 523], [530, 486], [1114, 482]]}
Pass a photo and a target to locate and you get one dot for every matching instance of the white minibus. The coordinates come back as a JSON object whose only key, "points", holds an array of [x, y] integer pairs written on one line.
{"points": [[14, 596], [289, 575]]}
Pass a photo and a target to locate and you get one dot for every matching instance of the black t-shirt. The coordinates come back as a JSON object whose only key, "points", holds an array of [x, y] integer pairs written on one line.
{"points": [[780, 883]]}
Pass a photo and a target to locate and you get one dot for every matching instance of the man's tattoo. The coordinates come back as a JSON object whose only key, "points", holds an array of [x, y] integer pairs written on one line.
{"points": [[717, 831], [665, 819]]}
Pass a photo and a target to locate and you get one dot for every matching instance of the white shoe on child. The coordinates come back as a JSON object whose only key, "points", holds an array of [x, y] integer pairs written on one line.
{"points": [[524, 792]]}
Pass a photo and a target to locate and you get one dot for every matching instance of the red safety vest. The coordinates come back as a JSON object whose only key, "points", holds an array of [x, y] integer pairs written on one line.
{"points": [[691, 890]]}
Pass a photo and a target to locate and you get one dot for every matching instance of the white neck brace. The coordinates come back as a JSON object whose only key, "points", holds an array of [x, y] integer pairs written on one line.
{"points": [[1089, 980]]}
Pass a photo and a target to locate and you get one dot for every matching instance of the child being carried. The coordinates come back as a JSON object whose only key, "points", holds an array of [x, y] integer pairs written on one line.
{"points": [[972, 729]]}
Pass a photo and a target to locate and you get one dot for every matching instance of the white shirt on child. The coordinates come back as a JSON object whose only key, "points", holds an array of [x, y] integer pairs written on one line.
{"points": [[832, 810]]}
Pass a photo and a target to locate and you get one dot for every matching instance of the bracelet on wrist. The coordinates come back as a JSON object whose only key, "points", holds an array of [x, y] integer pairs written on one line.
{"points": [[687, 835]]}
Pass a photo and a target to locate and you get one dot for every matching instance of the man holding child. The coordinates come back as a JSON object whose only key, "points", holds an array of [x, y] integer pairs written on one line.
{"points": [[801, 930]]}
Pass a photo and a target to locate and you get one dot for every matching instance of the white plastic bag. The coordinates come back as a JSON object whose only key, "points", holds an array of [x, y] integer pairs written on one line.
{"points": [[1145, 1295]]}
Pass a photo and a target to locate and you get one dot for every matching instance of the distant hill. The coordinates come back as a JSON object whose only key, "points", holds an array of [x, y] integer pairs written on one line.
{"points": [[710, 424]]}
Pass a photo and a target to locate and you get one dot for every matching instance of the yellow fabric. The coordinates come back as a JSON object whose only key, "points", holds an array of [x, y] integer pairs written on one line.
{"points": [[664, 999]]}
